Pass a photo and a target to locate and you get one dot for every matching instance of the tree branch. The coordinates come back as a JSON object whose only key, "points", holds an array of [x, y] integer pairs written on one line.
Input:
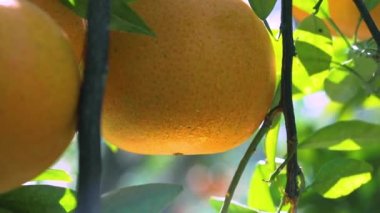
{"points": [[293, 170], [369, 21], [92, 90], [244, 161]]}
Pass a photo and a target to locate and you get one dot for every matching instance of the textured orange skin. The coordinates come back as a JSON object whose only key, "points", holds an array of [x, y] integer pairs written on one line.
{"points": [[71, 23], [39, 84], [202, 85], [345, 15]]}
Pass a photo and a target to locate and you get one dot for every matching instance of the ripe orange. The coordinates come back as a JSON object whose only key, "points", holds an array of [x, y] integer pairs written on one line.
{"points": [[345, 15], [202, 85], [39, 84], [68, 20]]}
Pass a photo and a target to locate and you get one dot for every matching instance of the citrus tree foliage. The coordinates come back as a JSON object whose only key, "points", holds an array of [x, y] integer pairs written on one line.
{"points": [[338, 146]]}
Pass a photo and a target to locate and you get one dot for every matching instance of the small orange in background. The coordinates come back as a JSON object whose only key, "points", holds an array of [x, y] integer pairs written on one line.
{"points": [[346, 16], [39, 90], [202, 85]]}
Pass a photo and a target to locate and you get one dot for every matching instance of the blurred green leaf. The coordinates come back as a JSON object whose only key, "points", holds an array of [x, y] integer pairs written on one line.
{"points": [[305, 83], [54, 174], [77, 6], [142, 198], [5, 210], [123, 18], [234, 207], [68, 201], [344, 136], [263, 195], [34, 199], [271, 140], [341, 86], [340, 177], [259, 195], [371, 102], [365, 66], [262, 8], [371, 3]]}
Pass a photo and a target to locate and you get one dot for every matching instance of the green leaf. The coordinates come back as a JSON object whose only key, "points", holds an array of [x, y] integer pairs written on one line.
{"points": [[54, 174], [77, 6], [344, 136], [314, 59], [34, 199], [68, 201], [340, 177], [316, 26], [313, 45], [142, 198], [234, 207], [263, 195], [341, 86], [305, 83], [262, 8], [271, 140], [371, 3], [365, 66], [123, 18]]}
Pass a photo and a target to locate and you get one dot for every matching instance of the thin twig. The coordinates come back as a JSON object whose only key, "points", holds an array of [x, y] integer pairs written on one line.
{"points": [[291, 188], [317, 6], [92, 90], [243, 162], [368, 21]]}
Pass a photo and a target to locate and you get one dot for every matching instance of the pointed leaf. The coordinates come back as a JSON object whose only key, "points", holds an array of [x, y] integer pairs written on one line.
{"points": [[340, 177], [34, 199], [142, 198], [313, 58], [344, 136], [123, 18], [262, 8]]}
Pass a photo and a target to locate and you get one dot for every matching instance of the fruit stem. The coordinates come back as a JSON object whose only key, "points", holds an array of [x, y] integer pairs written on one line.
{"points": [[286, 102], [244, 161], [369, 22], [88, 189]]}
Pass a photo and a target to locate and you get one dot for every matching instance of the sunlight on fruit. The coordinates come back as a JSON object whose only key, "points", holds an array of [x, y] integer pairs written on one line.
{"points": [[9, 3]]}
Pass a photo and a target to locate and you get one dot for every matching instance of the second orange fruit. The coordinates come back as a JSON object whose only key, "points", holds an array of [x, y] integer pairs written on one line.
{"points": [[202, 85]]}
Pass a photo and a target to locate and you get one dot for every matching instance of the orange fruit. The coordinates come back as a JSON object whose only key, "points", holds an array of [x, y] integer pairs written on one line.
{"points": [[71, 23], [346, 16], [39, 86], [202, 85]]}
